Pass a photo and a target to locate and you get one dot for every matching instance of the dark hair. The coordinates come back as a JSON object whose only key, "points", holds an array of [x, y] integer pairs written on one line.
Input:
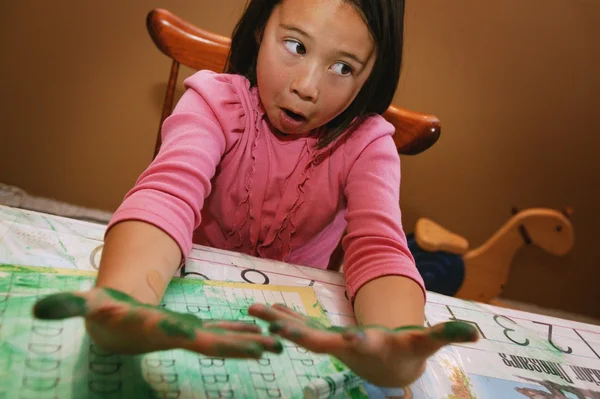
{"points": [[385, 19]]}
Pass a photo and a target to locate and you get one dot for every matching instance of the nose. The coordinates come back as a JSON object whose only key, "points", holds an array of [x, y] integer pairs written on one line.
{"points": [[306, 84]]}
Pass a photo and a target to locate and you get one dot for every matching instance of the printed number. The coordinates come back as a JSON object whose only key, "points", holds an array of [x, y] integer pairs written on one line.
{"points": [[265, 278], [587, 343], [453, 317], [569, 349], [508, 329]]}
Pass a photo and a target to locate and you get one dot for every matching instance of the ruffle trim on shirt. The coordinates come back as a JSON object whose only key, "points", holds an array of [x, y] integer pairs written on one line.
{"points": [[288, 226], [282, 239], [235, 239]]}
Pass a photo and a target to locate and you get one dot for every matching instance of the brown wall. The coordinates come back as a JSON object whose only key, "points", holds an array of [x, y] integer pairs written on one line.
{"points": [[514, 83]]}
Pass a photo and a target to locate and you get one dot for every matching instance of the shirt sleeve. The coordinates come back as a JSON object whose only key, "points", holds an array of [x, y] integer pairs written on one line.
{"points": [[375, 244], [170, 193]]}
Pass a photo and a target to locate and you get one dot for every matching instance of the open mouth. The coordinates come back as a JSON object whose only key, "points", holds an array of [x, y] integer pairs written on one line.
{"points": [[293, 115]]}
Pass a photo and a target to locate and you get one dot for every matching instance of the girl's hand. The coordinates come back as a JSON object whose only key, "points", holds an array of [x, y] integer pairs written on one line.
{"points": [[382, 356], [118, 323]]}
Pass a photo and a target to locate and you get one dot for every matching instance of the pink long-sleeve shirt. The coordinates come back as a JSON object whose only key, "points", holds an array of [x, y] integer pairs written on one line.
{"points": [[224, 178]]}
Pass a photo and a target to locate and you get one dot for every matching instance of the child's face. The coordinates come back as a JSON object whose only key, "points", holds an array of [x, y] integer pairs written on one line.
{"points": [[314, 57]]}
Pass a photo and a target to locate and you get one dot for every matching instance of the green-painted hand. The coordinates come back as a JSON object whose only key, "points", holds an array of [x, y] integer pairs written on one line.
{"points": [[382, 356], [118, 323]]}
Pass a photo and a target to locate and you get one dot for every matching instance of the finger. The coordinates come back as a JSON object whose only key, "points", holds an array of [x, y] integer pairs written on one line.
{"points": [[319, 340], [214, 343], [267, 313], [61, 306], [454, 332], [429, 341], [238, 326], [288, 311], [250, 350], [279, 313], [268, 342]]}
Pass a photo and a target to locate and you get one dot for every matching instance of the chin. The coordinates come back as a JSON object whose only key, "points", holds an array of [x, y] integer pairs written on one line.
{"points": [[293, 133]]}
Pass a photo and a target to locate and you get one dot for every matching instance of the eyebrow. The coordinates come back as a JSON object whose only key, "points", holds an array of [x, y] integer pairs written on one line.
{"points": [[353, 57], [305, 34], [295, 29]]}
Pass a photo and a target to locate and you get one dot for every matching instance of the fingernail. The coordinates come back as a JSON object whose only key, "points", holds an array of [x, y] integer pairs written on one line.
{"points": [[253, 349], [60, 306], [457, 331], [277, 347], [275, 327]]}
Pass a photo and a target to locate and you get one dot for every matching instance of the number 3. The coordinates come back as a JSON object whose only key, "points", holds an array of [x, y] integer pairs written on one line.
{"points": [[507, 330]]}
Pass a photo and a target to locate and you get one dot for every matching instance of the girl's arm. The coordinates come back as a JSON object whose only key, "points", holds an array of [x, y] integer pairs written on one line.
{"points": [[390, 348], [381, 277], [153, 227], [390, 301], [138, 259]]}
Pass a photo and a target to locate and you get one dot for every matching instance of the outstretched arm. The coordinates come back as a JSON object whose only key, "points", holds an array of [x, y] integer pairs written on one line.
{"points": [[390, 346], [390, 301]]}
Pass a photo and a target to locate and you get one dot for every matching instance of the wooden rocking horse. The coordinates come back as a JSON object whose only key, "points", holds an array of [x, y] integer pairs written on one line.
{"points": [[450, 268]]}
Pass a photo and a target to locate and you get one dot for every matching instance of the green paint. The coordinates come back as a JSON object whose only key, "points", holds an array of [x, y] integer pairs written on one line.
{"points": [[314, 323], [174, 324], [60, 306], [16, 332], [294, 333], [408, 328], [27, 281], [250, 349], [10, 268], [276, 327], [176, 329], [185, 318], [456, 331], [277, 347], [121, 296], [58, 237]]}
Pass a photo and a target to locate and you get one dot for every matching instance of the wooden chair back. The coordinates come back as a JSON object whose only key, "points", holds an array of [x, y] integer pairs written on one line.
{"points": [[198, 49]]}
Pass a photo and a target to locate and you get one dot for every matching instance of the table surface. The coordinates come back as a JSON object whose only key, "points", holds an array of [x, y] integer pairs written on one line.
{"points": [[520, 354]]}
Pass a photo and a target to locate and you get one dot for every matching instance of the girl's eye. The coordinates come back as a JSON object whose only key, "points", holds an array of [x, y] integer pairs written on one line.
{"points": [[342, 69], [294, 47]]}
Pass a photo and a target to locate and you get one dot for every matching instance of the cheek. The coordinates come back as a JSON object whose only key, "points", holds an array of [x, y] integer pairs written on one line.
{"points": [[338, 98], [271, 78]]}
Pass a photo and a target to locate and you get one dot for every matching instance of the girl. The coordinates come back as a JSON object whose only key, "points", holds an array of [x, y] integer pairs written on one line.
{"points": [[276, 158]]}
